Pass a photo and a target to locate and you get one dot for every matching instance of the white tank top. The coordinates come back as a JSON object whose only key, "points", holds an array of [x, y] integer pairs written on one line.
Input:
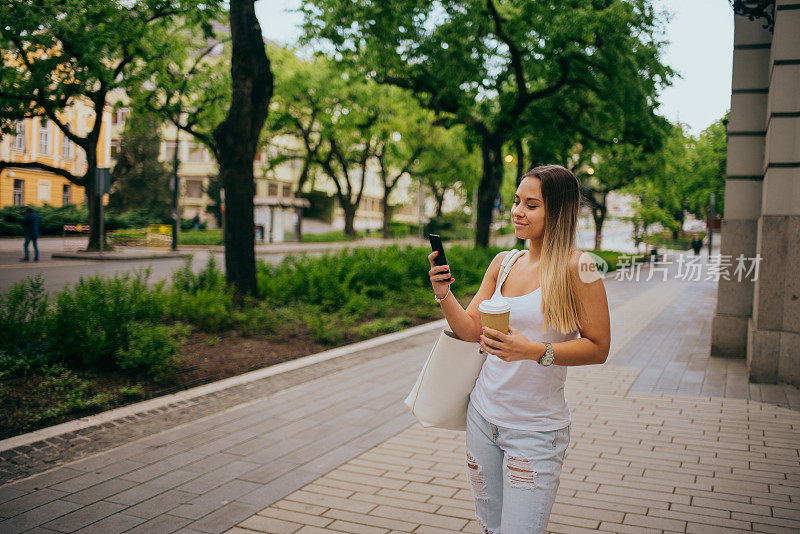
{"points": [[524, 395]]}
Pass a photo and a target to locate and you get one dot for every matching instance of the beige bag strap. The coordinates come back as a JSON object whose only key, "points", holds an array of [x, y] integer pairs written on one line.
{"points": [[505, 268]]}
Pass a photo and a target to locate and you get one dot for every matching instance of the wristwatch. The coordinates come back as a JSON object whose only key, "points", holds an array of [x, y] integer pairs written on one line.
{"points": [[548, 357]]}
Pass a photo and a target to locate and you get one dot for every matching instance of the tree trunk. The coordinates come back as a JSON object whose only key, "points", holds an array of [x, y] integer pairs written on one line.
{"points": [[349, 220], [439, 202], [520, 172], [236, 139], [488, 188], [298, 226], [92, 200], [599, 214], [387, 216]]}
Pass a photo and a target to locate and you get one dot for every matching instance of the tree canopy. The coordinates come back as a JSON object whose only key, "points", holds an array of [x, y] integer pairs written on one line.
{"points": [[56, 53], [484, 63]]}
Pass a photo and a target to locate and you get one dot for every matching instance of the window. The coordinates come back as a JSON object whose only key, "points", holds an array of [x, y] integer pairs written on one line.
{"points": [[287, 190], [66, 148], [44, 138], [194, 188], [115, 144], [272, 189], [196, 152], [169, 150], [66, 194], [19, 192], [44, 191], [119, 116], [19, 136]]}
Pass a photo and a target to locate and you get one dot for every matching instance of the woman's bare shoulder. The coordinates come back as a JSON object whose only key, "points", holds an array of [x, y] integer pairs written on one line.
{"points": [[494, 267], [583, 267]]}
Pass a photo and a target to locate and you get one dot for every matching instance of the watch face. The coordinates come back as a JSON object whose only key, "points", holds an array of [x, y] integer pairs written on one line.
{"points": [[548, 357]]}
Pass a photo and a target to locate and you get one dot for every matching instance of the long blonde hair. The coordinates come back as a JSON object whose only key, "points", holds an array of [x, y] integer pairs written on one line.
{"points": [[561, 194]]}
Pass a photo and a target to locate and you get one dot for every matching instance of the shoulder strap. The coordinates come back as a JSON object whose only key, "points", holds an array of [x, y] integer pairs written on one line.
{"points": [[505, 268]]}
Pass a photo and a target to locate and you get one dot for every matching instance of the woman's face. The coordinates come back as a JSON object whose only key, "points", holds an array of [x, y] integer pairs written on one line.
{"points": [[527, 212]]}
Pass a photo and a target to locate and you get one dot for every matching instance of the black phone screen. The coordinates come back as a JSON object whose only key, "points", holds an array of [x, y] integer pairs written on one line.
{"points": [[436, 245]]}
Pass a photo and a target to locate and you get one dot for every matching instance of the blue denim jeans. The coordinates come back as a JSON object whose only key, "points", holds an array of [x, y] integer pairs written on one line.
{"points": [[35, 247], [514, 474]]}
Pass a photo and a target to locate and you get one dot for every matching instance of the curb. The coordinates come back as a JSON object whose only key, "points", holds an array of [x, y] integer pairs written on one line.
{"points": [[164, 400], [115, 256]]}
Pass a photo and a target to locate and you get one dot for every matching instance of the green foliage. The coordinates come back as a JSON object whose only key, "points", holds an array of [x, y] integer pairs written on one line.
{"points": [[665, 240], [201, 298], [322, 206], [391, 272], [52, 219], [152, 349], [211, 237], [209, 277], [141, 180], [89, 320], [451, 226], [24, 318], [382, 326], [188, 224], [588, 72], [330, 237]]}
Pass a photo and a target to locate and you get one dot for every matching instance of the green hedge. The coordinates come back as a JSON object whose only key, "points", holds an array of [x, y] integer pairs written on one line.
{"points": [[53, 219], [128, 325]]}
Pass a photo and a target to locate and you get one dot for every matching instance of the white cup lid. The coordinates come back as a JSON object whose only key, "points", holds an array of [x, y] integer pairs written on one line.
{"points": [[497, 305]]}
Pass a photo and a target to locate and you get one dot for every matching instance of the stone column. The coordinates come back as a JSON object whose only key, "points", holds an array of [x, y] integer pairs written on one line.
{"points": [[773, 342], [743, 186]]}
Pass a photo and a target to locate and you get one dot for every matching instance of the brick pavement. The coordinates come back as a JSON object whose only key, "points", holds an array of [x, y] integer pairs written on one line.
{"points": [[340, 453], [639, 460]]}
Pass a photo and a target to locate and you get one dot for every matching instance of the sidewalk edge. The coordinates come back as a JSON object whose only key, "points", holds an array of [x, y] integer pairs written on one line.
{"points": [[164, 400]]}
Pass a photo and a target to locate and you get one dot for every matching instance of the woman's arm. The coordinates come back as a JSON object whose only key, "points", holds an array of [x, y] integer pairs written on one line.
{"points": [[466, 324]]}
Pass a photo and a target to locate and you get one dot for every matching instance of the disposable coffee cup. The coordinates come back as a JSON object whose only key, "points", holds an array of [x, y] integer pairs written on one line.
{"points": [[495, 314]]}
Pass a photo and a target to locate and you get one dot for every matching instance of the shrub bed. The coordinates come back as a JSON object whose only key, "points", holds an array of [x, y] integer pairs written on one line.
{"points": [[110, 341]]}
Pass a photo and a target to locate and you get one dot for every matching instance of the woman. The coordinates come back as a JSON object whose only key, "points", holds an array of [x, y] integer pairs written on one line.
{"points": [[518, 422]]}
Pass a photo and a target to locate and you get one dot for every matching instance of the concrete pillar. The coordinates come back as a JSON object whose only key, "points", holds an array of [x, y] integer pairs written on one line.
{"points": [[743, 186], [773, 353]]}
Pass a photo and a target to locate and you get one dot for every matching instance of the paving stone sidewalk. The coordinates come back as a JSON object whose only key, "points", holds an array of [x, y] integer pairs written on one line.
{"points": [[341, 453]]}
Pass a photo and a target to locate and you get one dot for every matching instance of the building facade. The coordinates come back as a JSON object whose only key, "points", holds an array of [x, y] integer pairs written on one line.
{"points": [[42, 141], [759, 318]]}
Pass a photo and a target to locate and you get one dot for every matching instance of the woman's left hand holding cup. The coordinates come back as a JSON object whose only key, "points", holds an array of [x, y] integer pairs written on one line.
{"points": [[511, 347]]}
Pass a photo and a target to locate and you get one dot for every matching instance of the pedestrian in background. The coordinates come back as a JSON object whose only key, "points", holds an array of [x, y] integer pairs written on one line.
{"points": [[196, 222], [697, 244], [31, 226]]}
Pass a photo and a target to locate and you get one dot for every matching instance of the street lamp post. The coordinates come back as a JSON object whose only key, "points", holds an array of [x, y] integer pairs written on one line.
{"points": [[710, 224], [420, 200]]}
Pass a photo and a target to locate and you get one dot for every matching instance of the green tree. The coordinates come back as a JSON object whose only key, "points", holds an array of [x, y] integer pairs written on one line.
{"points": [[451, 164], [141, 181], [191, 86], [708, 162], [296, 111], [56, 53], [236, 139], [483, 64]]}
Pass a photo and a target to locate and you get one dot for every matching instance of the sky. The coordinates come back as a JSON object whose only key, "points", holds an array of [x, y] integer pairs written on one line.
{"points": [[700, 50]]}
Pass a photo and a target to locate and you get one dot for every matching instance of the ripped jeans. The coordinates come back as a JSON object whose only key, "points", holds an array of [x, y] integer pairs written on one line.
{"points": [[514, 474]]}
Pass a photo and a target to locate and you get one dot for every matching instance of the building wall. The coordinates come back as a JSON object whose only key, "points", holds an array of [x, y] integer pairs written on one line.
{"points": [[51, 151], [759, 318]]}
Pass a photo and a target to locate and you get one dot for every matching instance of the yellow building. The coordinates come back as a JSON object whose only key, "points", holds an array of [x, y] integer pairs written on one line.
{"points": [[42, 141]]}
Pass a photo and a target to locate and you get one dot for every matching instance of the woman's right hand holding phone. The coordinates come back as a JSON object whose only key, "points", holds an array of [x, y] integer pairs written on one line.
{"points": [[440, 277]]}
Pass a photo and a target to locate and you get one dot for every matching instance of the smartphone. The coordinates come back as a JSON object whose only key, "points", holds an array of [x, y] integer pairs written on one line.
{"points": [[436, 245]]}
